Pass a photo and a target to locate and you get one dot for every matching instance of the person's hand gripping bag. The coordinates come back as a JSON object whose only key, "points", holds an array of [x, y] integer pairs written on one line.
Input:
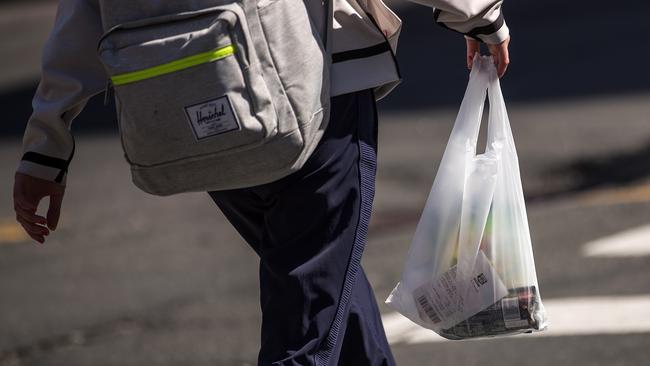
{"points": [[470, 270]]}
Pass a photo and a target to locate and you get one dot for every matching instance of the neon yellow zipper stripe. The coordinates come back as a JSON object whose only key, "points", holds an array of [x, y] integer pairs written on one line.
{"points": [[180, 64]]}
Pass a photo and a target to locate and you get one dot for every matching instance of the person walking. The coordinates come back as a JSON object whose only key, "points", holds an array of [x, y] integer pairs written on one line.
{"points": [[309, 227]]}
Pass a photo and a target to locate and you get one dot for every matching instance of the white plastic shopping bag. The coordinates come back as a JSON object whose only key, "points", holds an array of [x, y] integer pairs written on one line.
{"points": [[470, 270]]}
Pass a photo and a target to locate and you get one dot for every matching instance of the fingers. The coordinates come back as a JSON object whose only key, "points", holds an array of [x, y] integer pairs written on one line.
{"points": [[54, 211], [504, 59], [31, 227], [36, 232], [473, 47], [30, 216], [29, 220], [500, 56], [28, 192], [25, 208]]}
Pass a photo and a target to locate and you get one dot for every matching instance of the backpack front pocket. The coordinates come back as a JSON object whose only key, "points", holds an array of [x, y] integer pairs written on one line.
{"points": [[187, 85]]}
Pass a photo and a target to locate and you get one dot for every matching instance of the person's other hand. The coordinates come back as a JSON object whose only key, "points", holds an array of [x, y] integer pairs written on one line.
{"points": [[28, 192], [499, 54]]}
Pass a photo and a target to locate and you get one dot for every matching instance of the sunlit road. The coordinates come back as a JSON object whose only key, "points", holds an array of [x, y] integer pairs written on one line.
{"points": [[133, 279]]}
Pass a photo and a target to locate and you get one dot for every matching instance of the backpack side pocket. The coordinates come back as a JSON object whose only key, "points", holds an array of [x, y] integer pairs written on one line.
{"points": [[298, 54], [189, 86]]}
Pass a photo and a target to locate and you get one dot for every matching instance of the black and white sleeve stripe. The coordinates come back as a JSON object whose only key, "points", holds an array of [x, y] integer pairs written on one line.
{"points": [[476, 32], [51, 162]]}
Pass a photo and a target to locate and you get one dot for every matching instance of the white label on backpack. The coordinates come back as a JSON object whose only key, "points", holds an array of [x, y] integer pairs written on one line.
{"points": [[438, 301], [212, 117]]}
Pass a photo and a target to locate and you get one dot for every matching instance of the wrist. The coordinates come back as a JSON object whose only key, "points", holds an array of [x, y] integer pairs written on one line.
{"points": [[497, 37]]}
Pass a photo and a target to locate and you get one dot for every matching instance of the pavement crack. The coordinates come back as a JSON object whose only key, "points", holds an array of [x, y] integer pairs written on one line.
{"points": [[152, 319]]}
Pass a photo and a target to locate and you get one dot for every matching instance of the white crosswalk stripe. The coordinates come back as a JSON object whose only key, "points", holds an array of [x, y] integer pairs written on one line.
{"points": [[634, 242], [568, 316]]}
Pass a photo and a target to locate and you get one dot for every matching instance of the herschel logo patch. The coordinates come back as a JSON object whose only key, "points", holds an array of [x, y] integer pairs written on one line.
{"points": [[212, 117]]}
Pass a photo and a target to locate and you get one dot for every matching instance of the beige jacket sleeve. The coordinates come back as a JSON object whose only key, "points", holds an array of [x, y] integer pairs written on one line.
{"points": [[478, 19], [71, 73]]}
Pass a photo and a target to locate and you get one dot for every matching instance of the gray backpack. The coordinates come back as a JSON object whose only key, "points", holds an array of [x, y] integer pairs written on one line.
{"points": [[231, 95]]}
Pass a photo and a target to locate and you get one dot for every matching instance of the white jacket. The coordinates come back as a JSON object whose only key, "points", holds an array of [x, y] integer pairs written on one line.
{"points": [[364, 42]]}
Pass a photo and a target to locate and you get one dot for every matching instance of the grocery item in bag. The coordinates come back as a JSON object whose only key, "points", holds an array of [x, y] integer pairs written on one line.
{"points": [[470, 270]]}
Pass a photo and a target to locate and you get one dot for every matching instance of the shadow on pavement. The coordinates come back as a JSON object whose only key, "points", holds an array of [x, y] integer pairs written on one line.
{"points": [[599, 172]]}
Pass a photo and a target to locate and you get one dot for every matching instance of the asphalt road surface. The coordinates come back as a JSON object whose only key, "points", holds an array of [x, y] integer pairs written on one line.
{"points": [[133, 279]]}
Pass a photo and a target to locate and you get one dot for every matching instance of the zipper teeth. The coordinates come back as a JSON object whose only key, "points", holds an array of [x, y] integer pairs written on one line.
{"points": [[173, 66], [107, 91]]}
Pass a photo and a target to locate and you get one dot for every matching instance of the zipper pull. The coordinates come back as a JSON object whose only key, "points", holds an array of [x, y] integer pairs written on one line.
{"points": [[107, 91]]}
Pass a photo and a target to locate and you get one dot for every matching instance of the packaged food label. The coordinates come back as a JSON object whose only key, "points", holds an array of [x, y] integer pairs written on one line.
{"points": [[438, 301], [512, 315]]}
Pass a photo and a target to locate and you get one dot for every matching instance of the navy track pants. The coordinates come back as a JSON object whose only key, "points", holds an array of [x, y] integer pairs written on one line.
{"points": [[309, 230]]}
